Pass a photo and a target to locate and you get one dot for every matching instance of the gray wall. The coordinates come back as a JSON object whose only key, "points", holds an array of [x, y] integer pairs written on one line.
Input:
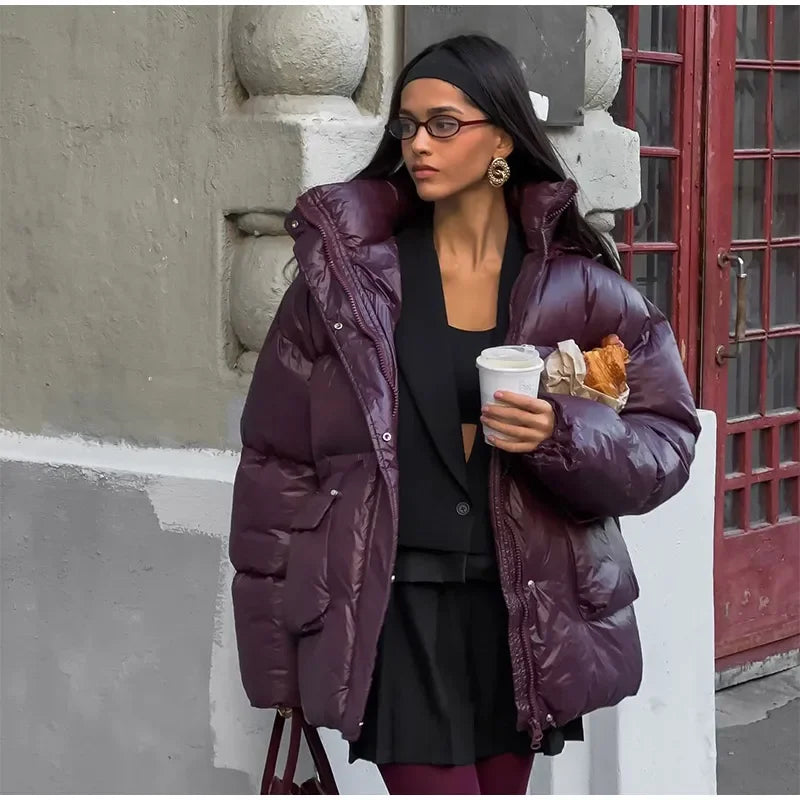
{"points": [[107, 631], [113, 145]]}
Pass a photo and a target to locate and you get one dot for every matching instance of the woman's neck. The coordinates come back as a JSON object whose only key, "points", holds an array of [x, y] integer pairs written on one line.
{"points": [[470, 228]]}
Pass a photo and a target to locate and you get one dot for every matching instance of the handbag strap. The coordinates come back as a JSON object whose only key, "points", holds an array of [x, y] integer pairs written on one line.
{"points": [[268, 780], [321, 762], [272, 753], [299, 726]]}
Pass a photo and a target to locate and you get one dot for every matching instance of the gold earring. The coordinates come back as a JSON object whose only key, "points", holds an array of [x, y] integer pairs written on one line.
{"points": [[498, 172]]}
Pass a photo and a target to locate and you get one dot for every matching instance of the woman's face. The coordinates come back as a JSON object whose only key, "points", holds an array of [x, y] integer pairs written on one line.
{"points": [[456, 163]]}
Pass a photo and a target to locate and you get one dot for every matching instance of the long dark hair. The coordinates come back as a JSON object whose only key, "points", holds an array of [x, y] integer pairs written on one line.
{"points": [[533, 160]]}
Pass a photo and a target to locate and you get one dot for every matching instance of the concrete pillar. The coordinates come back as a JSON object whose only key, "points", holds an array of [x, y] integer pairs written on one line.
{"points": [[300, 68], [603, 157]]}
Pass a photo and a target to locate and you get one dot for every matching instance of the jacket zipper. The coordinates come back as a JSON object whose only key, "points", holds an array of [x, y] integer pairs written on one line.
{"points": [[510, 552], [545, 253], [341, 280], [362, 325], [550, 216]]}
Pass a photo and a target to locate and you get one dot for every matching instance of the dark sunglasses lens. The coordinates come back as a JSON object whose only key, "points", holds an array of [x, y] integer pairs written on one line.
{"points": [[443, 127], [401, 128]]}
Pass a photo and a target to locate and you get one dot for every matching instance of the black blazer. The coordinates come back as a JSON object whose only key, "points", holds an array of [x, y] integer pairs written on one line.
{"points": [[443, 504]]}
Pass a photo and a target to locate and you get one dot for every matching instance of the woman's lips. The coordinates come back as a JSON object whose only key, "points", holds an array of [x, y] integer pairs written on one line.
{"points": [[425, 172]]}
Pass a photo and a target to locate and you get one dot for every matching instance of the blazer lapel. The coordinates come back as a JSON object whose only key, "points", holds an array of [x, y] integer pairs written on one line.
{"points": [[422, 346]]}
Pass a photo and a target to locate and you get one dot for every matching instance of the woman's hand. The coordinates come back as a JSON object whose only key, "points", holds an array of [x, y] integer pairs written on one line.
{"points": [[528, 420]]}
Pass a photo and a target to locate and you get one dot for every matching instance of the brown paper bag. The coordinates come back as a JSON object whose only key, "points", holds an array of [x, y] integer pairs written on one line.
{"points": [[565, 373]]}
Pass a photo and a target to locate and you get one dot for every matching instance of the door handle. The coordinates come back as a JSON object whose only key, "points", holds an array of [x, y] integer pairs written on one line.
{"points": [[740, 328]]}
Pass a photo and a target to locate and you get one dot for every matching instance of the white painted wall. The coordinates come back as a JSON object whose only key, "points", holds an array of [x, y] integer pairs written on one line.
{"points": [[661, 741]]}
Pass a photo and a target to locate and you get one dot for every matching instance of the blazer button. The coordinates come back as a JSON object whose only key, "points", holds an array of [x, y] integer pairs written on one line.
{"points": [[462, 509]]}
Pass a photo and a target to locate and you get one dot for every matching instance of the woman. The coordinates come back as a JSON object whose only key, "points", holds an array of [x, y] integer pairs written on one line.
{"points": [[452, 606]]}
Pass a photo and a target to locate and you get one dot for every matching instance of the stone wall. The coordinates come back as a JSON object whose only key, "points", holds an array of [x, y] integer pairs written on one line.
{"points": [[148, 155], [603, 157]]}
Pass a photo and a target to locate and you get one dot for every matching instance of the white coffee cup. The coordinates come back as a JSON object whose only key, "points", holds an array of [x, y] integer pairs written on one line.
{"points": [[509, 368]]}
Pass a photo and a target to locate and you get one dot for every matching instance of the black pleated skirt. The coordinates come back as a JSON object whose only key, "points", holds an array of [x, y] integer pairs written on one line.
{"points": [[442, 690]]}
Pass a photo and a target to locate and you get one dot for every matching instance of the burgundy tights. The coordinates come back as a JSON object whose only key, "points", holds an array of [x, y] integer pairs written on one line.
{"points": [[505, 774]]}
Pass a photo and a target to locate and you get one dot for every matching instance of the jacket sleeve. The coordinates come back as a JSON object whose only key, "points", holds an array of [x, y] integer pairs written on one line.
{"points": [[601, 463], [275, 474]]}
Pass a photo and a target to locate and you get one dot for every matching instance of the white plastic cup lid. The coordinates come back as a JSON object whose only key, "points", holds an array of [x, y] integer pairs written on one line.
{"points": [[510, 357]]}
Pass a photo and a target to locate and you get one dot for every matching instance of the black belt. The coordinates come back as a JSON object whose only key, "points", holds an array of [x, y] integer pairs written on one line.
{"points": [[431, 566]]}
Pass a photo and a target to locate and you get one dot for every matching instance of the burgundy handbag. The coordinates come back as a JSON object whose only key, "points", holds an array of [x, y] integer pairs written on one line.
{"points": [[322, 783]]}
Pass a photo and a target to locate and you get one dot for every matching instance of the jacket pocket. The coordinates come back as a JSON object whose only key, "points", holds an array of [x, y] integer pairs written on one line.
{"points": [[306, 595], [604, 577]]}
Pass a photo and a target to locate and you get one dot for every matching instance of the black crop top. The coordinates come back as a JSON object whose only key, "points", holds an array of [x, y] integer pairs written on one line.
{"points": [[466, 346]]}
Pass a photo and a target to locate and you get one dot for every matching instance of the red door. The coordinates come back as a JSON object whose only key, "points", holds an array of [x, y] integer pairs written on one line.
{"points": [[714, 93], [751, 324]]}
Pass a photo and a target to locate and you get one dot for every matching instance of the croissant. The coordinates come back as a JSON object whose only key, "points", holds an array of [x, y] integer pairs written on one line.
{"points": [[605, 366]]}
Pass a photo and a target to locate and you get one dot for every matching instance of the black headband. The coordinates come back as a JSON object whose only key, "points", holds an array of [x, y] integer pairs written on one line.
{"points": [[445, 66]]}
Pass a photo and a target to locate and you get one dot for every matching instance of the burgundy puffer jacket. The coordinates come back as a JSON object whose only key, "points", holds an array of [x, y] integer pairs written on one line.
{"points": [[315, 502]]}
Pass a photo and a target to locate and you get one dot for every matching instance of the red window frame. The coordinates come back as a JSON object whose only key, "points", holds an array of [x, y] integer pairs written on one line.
{"points": [[686, 154], [765, 419]]}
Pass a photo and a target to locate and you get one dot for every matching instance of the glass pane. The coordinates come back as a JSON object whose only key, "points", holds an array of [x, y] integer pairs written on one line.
{"points": [[734, 453], [652, 275], [658, 28], [625, 263], [654, 104], [619, 225], [750, 129], [759, 502], [752, 262], [787, 39], [788, 443], [619, 108], [786, 197], [621, 14], [751, 32], [760, 449], [743, 381], [787, 498], [749, 178], [784, 303], [732, 516], [653, 216], [782, 369], [786, 109]]}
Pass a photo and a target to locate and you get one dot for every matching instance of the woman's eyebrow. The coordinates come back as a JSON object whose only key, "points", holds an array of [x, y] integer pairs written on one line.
{"points": [[434, 110]]}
